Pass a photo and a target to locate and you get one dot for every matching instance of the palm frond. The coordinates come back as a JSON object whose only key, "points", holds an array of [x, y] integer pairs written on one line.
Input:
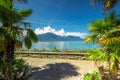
{"points": [[12, 15], [27, 42], [26, 25], [6, 3], [114, 63], [91, 38], [107, 4], [100, 26], [18, 44], [97, 55], [114, 32], [4, 14], [29, 38], [111, 38], [95, 26], [12, 33], [25, 12], [110, 41], [32, 35]]}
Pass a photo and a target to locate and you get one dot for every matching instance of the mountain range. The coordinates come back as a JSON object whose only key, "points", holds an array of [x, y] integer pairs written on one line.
{"points": [[54, 37]]}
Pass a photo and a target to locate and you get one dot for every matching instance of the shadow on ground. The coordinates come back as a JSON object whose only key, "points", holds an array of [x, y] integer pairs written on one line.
{"points": [[55, 71]]}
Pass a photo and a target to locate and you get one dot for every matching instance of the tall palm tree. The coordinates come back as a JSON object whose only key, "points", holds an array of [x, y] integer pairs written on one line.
{"points": [[106, 33], [107, 4], [13, 30]]}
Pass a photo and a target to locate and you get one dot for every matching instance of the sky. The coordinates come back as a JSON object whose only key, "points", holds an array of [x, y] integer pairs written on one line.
{"points": [[62, 17]]}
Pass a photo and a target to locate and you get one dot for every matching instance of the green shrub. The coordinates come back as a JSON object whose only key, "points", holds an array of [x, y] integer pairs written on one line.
{"points": [[13, 70], [35, 49], [92, 76], [55, 49]]}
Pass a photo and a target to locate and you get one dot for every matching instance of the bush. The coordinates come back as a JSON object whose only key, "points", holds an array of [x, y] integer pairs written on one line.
{"points": [[55, 49], [13, 70], [91, 76]]}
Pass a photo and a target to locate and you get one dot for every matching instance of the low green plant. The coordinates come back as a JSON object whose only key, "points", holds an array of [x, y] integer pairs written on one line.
{"points": [[12, 70], [43, 50], [36, 50], [55, 49], [22, 50], [92, 76]]}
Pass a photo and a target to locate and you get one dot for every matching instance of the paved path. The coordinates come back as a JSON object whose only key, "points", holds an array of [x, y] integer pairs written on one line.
{"points": [[59, 69]]}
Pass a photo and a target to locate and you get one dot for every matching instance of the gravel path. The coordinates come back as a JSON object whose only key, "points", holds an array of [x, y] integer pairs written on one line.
{"points": [[59, 69]]}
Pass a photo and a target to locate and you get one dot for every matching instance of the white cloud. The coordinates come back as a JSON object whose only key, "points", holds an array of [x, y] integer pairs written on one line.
{"points": [[60, 32]]}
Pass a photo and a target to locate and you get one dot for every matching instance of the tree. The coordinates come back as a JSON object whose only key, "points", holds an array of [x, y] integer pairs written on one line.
{"points": [[107, 4], [106, 33], [14, 31]]}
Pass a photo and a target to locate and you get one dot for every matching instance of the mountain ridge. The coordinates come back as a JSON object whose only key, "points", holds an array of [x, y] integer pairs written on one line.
{"points": [[53, 37]]}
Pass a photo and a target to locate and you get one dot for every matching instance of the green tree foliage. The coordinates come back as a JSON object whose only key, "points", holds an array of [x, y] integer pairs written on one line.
{"points": [[14, 31], [106, 33], [16, 69], [55, 49]]}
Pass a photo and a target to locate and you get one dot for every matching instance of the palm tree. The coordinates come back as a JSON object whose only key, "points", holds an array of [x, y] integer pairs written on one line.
{"points": [[107, 4], [106, 33], [13, 31]]}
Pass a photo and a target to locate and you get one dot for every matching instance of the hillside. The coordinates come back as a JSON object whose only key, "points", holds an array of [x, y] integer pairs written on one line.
{"points": [[54, 37]]}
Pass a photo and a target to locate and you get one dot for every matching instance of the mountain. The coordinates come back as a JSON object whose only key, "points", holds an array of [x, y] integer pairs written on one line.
{"points": [[54, 37]]}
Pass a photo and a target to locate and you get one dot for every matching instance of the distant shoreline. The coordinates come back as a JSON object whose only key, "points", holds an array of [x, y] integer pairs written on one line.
{"points": [[61, 41]]}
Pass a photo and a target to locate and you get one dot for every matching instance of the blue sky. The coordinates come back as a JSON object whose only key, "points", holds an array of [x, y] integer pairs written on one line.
{"points": [[70, 15]]}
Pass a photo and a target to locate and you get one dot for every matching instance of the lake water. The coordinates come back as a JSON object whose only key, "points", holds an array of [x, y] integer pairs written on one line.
{"points": [[63, 45]]}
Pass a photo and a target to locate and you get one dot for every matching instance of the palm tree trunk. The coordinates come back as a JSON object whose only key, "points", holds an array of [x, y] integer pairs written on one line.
{"points": [[12, 44], [9, 50]]}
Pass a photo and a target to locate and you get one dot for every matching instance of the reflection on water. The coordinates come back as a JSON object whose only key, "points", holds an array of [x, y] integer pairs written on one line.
{"points": [[63, 45]]}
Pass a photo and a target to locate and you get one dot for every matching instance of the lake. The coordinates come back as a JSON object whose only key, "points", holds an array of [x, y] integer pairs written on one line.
{"points": [[63, 45]]}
